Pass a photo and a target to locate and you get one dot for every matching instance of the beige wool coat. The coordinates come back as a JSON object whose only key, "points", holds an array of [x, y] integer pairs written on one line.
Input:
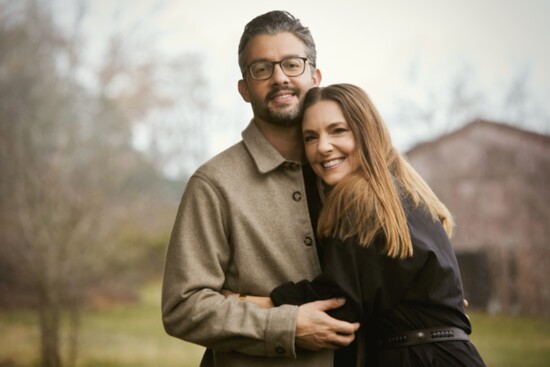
{"points": [[243, 225]]}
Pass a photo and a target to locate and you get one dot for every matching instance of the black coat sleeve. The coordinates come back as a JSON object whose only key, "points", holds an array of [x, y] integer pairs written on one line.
{"points": [[369, 280], [344, 265]]}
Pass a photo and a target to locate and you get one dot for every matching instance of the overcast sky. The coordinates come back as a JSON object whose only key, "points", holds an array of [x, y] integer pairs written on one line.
{"points": [[397, 50]]}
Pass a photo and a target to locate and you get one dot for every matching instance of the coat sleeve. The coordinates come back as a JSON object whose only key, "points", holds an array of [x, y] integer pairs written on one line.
{"points": [[196, 263], [370, 281], [340, 278]]}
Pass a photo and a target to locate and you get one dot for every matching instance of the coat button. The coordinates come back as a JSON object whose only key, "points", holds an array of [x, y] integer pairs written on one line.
{"points": [[280, 350], [308, 241], [297, 196]]}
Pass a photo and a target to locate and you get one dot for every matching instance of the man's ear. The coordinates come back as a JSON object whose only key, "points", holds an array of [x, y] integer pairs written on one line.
{"points": [[243, 90], [317, 77]]}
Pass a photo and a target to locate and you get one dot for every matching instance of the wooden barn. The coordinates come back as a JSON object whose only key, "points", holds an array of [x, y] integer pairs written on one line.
{"points": [[495, 179]]}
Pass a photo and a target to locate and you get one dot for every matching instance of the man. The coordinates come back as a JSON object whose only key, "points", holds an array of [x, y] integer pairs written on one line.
{"points": [[244, 225]]}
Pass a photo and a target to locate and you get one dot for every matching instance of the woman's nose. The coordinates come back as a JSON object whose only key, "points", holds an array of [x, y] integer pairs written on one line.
{"points": [[325, 145]]}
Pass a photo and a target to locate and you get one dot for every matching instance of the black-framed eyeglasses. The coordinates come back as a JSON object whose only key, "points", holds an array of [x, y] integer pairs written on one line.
{"points": [[291, 66]]}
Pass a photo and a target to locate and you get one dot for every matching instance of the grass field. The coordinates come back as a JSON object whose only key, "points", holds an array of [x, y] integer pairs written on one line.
{"points": [[133, 336], [120, 336]]}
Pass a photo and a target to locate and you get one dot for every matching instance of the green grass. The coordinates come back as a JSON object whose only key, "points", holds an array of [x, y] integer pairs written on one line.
{"points": [[125, 336], [119, 336], [512, 341]]}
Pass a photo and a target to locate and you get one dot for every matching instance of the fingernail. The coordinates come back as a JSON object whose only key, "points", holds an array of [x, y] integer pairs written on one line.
{"points": [[341, 299]]}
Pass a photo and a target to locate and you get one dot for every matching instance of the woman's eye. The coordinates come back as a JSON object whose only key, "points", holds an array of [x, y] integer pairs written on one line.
{"points": [[308, 138]]}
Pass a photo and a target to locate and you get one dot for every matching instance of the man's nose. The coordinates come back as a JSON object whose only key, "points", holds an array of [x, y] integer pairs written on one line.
{"points": [[278, 75]]}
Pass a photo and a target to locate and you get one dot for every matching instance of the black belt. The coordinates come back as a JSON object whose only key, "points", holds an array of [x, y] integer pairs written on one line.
{"points": [[423, 336]]}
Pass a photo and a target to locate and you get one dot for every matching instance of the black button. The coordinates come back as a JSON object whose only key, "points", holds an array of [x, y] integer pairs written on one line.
{"points": [[297, 196], [291, 165], [308, 241], [280, 350]]}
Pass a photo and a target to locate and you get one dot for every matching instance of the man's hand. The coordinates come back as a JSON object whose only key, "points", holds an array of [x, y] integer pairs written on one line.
{"points": [[316, 330]]}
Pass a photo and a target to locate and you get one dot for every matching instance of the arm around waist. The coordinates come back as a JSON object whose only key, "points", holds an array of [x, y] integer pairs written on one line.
{"points": [[197, 259]]}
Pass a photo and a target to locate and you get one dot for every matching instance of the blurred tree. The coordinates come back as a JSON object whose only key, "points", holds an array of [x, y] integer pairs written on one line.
{"points": [[164, 125], [436, 106], [438, 109], [70, 178]]}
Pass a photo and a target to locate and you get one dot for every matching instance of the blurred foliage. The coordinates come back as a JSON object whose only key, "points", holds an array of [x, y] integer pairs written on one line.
{"points": [[73, 186], [84, 215]]}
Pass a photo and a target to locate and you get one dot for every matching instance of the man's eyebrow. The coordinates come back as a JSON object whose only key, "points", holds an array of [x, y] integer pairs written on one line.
{"points": [[261, 59]]}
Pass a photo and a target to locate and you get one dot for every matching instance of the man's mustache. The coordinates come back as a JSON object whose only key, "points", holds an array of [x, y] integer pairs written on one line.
{"points": [[274, 91]]}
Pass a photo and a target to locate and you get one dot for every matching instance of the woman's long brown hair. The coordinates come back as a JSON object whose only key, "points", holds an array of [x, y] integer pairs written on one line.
{"points": [[368, 202]]}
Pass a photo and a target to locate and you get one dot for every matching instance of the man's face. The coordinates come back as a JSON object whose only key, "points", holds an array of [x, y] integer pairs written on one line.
{"points": [[278, 99]]}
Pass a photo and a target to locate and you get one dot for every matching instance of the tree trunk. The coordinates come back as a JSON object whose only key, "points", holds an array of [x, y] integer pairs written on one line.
{"points": [[74, 331], [49, 314]]}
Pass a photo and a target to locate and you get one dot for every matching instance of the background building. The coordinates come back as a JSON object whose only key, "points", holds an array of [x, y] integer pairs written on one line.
{"points": [[495, 179]]}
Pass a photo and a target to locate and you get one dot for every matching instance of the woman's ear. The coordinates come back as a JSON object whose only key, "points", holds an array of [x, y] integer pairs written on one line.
{"points": [[243, 90]]}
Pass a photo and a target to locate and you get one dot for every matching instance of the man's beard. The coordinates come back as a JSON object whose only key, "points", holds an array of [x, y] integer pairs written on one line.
{"points": [[288, 117]]}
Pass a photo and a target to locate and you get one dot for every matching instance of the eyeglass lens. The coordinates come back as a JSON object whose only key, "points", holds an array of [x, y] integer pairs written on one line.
{"points": [[292, 66]]}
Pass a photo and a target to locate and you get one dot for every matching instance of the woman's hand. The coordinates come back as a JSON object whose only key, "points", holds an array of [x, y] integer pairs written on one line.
{"points": [[264, 302]]}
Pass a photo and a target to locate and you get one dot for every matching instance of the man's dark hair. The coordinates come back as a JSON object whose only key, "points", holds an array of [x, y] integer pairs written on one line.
{"points": [[275, 22]]}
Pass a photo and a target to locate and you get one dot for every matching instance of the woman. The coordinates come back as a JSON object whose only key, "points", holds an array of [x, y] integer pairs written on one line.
{"points": [[385, 238]]}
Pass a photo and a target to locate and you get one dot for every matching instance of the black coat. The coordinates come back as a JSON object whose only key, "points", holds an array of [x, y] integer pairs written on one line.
{"points": [[389, 295]]}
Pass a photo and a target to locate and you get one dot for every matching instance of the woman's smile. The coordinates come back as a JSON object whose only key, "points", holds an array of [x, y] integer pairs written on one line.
{"points": [[329, 142]]}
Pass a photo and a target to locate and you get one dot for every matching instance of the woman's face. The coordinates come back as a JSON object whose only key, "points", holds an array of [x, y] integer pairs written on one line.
{"points": [[329, 142]]}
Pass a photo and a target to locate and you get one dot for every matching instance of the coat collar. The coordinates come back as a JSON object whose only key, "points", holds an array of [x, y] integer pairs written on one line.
{"points": [[265, 156]]}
